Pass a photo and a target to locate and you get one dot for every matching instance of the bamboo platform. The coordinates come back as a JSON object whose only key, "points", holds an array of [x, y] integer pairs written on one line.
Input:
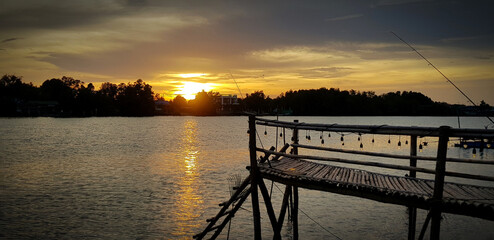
{"points": [[461, 199]]}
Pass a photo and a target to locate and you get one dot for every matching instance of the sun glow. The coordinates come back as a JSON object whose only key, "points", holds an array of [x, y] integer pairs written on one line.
{"points": [[191, 75], [188, 90]]}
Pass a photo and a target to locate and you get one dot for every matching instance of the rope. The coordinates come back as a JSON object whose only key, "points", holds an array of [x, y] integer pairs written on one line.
{"points": [[319, 224], [313, 220], [260, 141]]}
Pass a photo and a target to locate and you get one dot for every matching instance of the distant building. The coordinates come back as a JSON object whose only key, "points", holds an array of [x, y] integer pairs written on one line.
{"points": [[227, 104], [162, 107], [39, 109]]}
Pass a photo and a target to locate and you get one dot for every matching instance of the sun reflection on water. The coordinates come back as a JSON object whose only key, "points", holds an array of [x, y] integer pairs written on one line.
{"points": [[188, 202]]}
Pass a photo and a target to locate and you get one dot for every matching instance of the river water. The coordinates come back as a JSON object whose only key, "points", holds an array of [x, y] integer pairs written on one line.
{"points": [[162, 177]]}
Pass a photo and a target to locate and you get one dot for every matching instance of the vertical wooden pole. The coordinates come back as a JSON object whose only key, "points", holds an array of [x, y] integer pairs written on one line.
{"points": [[269, 209], [295, 191], [412, 212], [284, 206], [295, 138], [437, 196], [295, 213], [254, 173]]}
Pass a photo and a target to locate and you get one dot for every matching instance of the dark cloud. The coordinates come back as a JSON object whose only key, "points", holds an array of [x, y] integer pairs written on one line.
{"points": [[326, 72], [10, 40]]}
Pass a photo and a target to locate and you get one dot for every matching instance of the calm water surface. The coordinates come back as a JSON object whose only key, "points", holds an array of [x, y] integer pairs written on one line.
{"points": [[161, 177]]}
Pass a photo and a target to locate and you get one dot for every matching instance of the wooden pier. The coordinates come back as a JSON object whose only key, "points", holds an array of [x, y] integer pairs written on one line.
{"points": [[294, 170]]}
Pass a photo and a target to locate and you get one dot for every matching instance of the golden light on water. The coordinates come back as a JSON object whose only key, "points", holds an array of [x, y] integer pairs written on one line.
{"points": [[188, 90], [188, 201]]}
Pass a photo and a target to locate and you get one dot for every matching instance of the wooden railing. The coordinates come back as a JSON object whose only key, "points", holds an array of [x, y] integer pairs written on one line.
{"points": [[444, 133]]}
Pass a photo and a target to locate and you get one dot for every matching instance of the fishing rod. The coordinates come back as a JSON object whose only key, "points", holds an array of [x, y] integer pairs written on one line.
{"points": [[447, 79], [237, 85]]}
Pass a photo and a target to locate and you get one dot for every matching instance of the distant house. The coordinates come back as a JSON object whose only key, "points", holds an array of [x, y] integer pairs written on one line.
{"points": [[39, 109], [227, 104], [162, 107]]}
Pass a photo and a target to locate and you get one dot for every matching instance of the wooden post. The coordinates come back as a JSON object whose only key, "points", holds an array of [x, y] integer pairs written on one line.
{"points": [[413, 152], [437, 196], [412, 212], [295, 190], [295, 213], [269, 209], [295, 138], [254, 173], [284, 205]]}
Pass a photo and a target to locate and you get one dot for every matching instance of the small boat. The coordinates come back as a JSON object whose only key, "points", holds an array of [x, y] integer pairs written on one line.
{"points": [[477, 143]]}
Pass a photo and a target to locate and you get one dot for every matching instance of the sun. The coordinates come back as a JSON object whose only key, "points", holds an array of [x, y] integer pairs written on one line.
{"points": [[188, 90]]}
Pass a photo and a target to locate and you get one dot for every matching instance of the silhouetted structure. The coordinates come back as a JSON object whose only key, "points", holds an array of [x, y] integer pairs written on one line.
{"points": [[296, 170]]}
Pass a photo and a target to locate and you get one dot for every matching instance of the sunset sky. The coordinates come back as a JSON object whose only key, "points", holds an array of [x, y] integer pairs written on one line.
{"points": [[272, 46]]}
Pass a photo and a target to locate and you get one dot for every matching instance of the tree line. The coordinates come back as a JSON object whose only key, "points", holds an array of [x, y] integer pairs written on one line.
{"points": [[335, 102], [69, 97]]}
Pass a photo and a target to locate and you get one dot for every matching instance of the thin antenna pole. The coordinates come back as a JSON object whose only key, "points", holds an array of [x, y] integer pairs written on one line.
{"points": [[241, 95], [415, 50]]}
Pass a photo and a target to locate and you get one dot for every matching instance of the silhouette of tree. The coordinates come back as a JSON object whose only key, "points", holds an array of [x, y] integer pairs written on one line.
{"points": [[107, 99], [179, 105], [204, 104], [14, 93], [258, 102], [135, 99], [61, 91]]}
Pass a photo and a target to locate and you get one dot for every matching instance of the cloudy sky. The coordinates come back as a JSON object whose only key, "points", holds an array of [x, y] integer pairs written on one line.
{"points": [[272, 46]]}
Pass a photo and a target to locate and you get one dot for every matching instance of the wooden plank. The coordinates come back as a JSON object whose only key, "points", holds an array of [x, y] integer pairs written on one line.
{"points": [[360, 177], [334, 175], [320, 171], [467, 191], [447, 193], [377, 181], [420, 185], [381, 181], [315, 170], [282, 162], [387, 183], [477, 192], [306, 167], [367, 178], [409, 188], [416, 185], [397, 183], [351, 176], [346, 174], [323, 171], [457, 192]]}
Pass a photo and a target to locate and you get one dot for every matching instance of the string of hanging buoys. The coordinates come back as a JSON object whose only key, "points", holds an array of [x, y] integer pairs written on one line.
{"points": [[307, 134], [360, 140]]}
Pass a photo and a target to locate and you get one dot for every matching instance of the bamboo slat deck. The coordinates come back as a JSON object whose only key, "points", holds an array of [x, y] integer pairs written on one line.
{"points": [[461, 199]]}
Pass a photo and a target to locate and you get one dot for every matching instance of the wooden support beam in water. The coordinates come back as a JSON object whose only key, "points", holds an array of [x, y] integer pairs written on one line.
{"points": [[412, 212], [437, 196], [269, 208], [254, 173], [284, 204], [295, 213]]}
